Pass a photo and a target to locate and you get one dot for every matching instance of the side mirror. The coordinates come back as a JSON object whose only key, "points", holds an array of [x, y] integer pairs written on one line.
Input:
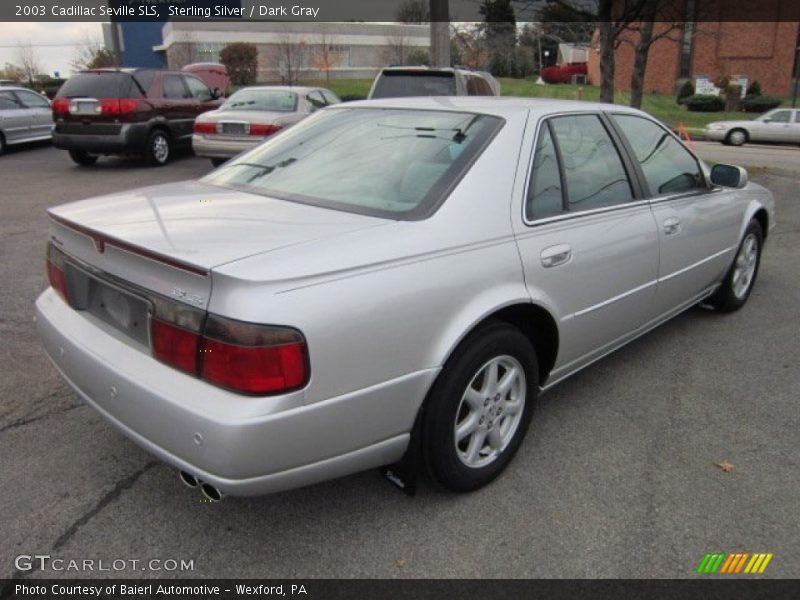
{"points": [[216, 94], [729, 176]]}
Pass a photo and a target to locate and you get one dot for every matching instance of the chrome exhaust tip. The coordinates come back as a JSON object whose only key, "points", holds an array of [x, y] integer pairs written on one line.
{"points": [[210, 492], [188, 479]]}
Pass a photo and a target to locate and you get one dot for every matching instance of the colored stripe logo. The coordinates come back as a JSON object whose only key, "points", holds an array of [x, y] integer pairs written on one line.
{"points": [[734, 563]]}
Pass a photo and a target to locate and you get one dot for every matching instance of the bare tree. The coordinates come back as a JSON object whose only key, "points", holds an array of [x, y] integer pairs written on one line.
{"points": [[91, 54], [290, 58], [28, 62], [396, 48], [325, 57]]}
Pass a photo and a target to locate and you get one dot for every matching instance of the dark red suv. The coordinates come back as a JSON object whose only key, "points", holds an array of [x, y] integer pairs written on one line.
{"points": [[129, 111]]}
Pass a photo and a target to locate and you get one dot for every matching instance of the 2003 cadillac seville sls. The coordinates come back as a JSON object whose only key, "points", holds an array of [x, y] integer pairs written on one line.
{"points": [[387, 275]]}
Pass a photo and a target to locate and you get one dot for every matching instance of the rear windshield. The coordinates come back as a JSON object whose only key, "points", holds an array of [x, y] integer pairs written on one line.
{"points": [[270, 100], [99, 84], [399, 84], [392, 163]]}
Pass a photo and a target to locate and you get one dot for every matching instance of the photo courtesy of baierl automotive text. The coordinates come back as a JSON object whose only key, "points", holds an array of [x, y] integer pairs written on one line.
{"points": [[399, 298]]}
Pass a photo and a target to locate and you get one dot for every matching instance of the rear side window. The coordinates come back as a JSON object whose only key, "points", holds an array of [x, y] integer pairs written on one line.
{"points": [[668, 167], [478, 86], [590, 170], [403, 84], [9, 101], [100, 84]]}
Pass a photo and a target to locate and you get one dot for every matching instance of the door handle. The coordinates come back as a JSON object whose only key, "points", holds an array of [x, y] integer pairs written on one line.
{"points": [[672, 225], [552, 256]]}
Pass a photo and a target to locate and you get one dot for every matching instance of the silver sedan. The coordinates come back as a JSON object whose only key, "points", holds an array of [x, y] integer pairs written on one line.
{"points": [[392, 283], [253, 114], [25, 116], [781, 125]]}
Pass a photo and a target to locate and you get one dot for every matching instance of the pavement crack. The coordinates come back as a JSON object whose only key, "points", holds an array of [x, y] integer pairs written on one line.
{"points": [[108, 498], [29, 420]]}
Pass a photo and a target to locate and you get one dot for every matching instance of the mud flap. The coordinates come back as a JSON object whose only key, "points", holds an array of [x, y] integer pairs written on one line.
{"points": [[405, 472]]}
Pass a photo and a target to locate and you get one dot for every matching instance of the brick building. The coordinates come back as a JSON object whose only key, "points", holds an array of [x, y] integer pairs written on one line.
{"points": [[765, 51]]}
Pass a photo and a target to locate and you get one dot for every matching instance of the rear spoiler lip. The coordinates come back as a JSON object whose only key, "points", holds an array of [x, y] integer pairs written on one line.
{"points": [[101, 240]]}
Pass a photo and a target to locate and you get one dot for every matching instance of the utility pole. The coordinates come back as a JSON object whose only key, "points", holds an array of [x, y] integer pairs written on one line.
{"points": [[796, 75], [440, 33]]}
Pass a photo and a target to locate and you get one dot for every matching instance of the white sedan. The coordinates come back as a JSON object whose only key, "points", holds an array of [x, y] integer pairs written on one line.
{"points": [[781, 125]]}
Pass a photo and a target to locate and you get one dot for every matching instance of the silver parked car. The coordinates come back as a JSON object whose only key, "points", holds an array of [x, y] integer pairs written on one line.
{"points": [[25, 116], [390, 282], [781, 125], [253, 114]]}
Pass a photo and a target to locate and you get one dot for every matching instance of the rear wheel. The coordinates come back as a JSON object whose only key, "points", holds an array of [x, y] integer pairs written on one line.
{"points": [[82, 158], [480, 408], [737, 137], [158, 149], [738, 283]]}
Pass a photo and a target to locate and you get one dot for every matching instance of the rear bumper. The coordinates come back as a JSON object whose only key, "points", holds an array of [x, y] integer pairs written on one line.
{"points": [[241, 445], [131, 139], [214, 147]]}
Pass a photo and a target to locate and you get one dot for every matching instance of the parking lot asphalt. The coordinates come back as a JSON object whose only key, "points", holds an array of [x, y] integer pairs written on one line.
{"points": [[618, 476]]}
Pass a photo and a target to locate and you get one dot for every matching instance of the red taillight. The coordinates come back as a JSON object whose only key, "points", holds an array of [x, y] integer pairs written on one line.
{"points": [[57, 280], [175, 346], [55, 272], [204, 127], [254, 370], [118, 106], [264, 130], [243, 357], [60, 106]]}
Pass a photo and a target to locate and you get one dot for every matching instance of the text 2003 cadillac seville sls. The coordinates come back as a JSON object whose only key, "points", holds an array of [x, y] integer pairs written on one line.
{"points": [[386, 275]]}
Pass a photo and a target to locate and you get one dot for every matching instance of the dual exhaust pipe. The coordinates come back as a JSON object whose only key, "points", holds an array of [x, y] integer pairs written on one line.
{"points": [[209, 491]]}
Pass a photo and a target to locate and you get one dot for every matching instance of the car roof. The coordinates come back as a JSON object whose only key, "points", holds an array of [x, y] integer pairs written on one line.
{"points": [[18, 88], [490, 105]]}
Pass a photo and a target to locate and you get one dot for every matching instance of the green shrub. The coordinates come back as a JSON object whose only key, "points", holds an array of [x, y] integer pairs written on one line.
{"points": [[704, 103], [754, 89], [759, 104], [241, 60], [687, 90]]}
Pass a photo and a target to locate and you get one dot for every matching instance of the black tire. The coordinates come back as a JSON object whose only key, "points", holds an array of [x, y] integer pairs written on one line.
{"points": [[82, 158], [2, 144], [496, 341], [737, 137], [726, 298], [218, 161], [158, 150]]}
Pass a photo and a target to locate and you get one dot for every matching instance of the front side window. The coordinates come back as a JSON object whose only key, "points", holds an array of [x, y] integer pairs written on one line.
{"points": [[391, 163], [198, 89], [668, 167]]}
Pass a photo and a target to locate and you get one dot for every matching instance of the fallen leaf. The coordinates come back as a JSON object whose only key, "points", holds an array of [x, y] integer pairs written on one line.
{"points": [[402, 562], [725, 466]]}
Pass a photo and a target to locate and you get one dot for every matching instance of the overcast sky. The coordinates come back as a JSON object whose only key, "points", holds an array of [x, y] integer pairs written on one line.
{"points": [[54, 42]]}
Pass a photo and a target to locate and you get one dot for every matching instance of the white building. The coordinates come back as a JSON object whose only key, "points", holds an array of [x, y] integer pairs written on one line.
{"points": [[312, 50]]}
